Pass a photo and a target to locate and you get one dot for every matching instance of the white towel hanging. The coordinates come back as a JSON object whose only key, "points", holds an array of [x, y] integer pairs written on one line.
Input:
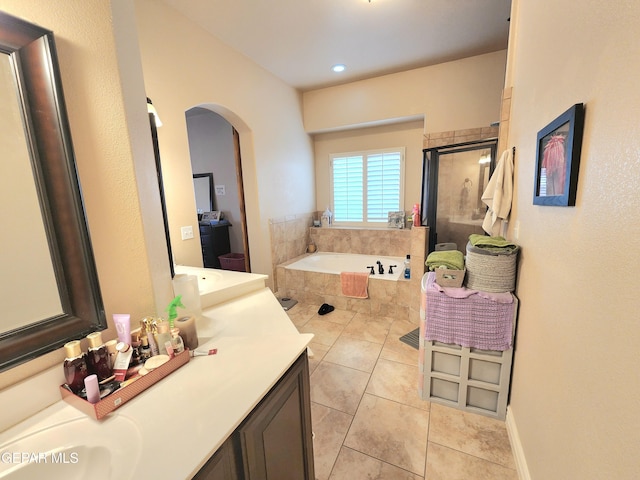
{"points": [[498, 195]]}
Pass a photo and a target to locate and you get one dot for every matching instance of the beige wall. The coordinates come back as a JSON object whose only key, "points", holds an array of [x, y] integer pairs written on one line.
{"points": [[186, 67], [408, 134], [110, 134], [449, 96], [575, 395]]}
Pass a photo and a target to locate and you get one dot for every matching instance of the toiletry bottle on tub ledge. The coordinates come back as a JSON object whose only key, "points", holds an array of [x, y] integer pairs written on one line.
{"points": [[407, 267], [326, 218]]}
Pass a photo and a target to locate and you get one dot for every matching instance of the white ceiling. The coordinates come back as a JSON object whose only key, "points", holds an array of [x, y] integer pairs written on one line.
{"points": [[299, 40]]}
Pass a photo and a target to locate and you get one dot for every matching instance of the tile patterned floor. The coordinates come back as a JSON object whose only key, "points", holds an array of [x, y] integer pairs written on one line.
{"points": [[368, 419]]}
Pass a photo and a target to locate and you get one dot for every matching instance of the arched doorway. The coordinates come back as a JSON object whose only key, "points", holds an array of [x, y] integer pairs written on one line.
{"points": [[216, 163]]}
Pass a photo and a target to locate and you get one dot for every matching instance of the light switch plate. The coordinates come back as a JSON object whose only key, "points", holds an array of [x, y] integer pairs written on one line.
{"points": [[187, 232]]}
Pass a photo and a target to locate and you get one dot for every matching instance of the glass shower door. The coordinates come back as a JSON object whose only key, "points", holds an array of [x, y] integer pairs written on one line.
{"points": [[456, 177], [462, 177]]}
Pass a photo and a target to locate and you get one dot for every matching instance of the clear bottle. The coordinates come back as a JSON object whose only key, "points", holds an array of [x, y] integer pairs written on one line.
{"points": [[176, 341], [163, 336], [98, 360], [326, 218], [407, 267], [75, 366]]}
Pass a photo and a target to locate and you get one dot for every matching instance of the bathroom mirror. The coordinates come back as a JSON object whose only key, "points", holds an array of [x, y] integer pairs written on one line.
{"points": [[203, 186], [41, 205]]}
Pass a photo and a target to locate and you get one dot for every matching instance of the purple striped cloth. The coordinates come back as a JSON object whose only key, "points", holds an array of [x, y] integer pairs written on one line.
{"points": [[474, 321]]}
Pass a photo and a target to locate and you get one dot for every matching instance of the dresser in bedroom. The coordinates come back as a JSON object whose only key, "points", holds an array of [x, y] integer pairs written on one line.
{"points": [[214, 239]]}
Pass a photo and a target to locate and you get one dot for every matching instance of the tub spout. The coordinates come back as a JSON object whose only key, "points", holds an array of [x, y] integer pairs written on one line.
{"points": [[380, 267]]}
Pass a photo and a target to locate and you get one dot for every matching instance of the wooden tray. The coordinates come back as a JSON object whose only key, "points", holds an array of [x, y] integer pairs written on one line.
{"points": [[123, 395]]}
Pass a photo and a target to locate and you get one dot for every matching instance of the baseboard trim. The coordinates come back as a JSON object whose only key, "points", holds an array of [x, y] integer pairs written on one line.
{"points": [[516, 447]]}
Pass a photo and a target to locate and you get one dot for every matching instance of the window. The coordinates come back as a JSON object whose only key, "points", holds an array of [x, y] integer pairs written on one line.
{"points": [[367, 185]]}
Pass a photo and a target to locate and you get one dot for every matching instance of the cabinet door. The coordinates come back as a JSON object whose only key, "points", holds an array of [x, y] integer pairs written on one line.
{"points": [[220, 466], [276, 438]]}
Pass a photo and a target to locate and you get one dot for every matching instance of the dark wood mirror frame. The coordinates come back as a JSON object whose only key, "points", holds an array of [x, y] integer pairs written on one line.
{"points": [[34, 59]]}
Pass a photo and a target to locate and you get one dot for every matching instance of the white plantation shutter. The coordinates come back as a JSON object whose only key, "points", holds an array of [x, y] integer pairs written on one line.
{"points": [[367, 185], [383, 186], [348, 189]]}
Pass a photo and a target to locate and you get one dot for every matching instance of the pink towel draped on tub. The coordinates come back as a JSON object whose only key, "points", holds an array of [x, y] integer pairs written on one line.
{"points": [[354, 284]]}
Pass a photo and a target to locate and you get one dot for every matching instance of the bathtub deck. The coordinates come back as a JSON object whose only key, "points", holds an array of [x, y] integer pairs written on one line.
{"points": [[397, 299]]}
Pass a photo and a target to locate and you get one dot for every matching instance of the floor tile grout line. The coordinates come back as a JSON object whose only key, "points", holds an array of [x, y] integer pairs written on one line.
{"points": [[379, 397], [470, 455], [379, 460]]}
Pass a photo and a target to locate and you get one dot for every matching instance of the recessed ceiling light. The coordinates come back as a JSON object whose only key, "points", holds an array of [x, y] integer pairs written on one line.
{"points": [[339, 68]]}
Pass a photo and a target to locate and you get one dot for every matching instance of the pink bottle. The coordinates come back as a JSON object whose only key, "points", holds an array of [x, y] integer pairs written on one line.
{"points": [[416, 215]]}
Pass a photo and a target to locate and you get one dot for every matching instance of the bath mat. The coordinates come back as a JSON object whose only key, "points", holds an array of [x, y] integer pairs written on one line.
{"points": [[411, 338], [287, 302]]}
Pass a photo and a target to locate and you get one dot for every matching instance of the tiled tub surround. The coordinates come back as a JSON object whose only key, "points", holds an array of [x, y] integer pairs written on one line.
{"points": [[289, 238], [384, 241], [452, 137], [397, 299]]}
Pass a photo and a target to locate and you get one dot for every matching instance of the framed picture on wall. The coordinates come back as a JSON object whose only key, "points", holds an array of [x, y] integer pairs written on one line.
{"points": [[558, 159]]}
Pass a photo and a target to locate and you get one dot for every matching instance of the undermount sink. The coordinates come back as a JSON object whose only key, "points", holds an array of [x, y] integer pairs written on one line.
{"points": [[75, 449]]}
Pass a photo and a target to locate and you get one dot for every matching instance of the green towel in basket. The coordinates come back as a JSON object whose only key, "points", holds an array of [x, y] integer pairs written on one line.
{"points": [[494, 244], [452, 259]]}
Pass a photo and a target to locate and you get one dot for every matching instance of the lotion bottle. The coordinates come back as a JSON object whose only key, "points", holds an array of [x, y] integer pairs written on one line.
{"points": [[122, 361], [98, 357], [75, 366]]}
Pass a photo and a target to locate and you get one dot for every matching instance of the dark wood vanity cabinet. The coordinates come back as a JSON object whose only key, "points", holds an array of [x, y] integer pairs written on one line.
{"points": [[275, 441], [214, 240], [221, 466]]}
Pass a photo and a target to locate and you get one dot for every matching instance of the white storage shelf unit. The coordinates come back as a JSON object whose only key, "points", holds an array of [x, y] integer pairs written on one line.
{"points": [[466, 378]]}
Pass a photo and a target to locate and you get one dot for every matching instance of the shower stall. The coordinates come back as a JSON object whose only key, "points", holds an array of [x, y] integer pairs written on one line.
{"points": [[454, 178]]}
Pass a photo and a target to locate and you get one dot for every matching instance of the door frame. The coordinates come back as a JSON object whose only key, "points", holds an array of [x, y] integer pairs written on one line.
{"points": [[240, 184]]}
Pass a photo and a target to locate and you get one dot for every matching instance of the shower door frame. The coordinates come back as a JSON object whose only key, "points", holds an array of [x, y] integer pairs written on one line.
{"points": [[430, 167]]}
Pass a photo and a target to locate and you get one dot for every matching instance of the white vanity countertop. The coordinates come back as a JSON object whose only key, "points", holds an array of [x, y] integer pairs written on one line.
{"points": [[223, 285], [183, 419]]}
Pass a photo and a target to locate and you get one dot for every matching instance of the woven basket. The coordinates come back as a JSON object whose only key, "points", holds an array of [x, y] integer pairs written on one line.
{"points": [[489, 271]]}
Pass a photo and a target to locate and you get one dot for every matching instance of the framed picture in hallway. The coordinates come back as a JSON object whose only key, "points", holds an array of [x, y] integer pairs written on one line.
{"points": [[558, 159]]}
